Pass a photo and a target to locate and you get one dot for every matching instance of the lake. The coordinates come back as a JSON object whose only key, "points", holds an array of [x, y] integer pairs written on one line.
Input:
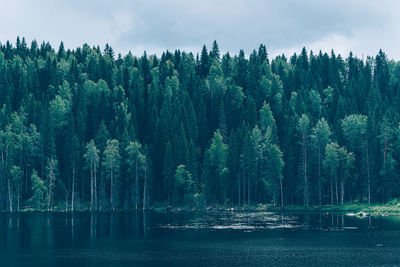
{"points": [[198, 239]]}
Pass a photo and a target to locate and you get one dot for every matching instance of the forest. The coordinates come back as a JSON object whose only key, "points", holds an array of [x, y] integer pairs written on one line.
{"points": [[87, 129]]}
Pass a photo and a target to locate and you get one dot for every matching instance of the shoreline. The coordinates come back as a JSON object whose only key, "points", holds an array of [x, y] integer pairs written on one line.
{"points": [[356, 208]]}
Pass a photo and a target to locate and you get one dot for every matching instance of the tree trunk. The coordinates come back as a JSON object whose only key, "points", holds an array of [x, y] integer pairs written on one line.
{"points": [[26, 180], [239, 183], [319, 175], [256, 184], [136, 186], [91, 185], [337, 192], [331, 192], [281, 183], [244, 187], [274, 198], [384, 168], [9, 195], [248, 190], [73, 187], [2, 166], [95, 186], [18, 198], [368, 177], [111, 188], [342, 190], [305, 173], [4, 162], [145, 185], [42, 161], [82, 198]]}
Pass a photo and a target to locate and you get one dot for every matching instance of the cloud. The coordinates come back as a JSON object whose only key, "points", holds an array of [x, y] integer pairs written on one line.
{"points": [[284, 26]]}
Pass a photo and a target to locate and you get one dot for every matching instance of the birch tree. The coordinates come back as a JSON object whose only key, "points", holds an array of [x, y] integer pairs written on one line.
{"points": [[303, 126], [111, 163], [321, 136], [92, 161], [134, 151]]}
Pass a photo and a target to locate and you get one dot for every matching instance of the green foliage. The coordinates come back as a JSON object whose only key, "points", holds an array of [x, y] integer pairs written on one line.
{"points": [[136, 162], [111, 156], [354, 129], [311, 129], [215, 170], [91, 155], [38, 199], [184, 188], [111, 164]]}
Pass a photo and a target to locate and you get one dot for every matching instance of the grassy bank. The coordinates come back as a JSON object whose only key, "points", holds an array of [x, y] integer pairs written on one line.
{"points": [[371, 209], [392, 207]]}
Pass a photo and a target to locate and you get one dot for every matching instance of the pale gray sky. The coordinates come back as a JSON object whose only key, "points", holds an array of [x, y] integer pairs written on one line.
{"points": [[362, 26]]}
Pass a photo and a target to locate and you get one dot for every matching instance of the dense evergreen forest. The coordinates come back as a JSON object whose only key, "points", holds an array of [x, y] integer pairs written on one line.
{"points": [[88, 129]]}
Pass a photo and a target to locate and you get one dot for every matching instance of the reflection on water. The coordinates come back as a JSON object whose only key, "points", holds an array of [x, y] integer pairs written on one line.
{"points": [[151, 238], [249, 221], [42, 229]]}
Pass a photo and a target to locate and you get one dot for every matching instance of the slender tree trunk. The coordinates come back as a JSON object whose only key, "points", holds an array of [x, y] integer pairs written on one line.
{"points": [[136, 186], [169, 186], [384, 168], [319, 175], [337, 193], [9, 195], [91, 185], [248, 190], [66, 201], [244, 187], [145, 185], [95, 186], [331, 191], [342, 190], [256, 184], [2, 167], [51, 185], [111, 188], [42, 158], [384, 154], [305, 173], [4, 160], [368, 177], [239, 183], [83, 190], [26, 180], [281, 186], [73, 187], [18, 198], [274, 197], [49, 196]]}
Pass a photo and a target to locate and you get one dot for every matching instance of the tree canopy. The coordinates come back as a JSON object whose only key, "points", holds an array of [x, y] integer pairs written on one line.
{"points": [[89, 128]]}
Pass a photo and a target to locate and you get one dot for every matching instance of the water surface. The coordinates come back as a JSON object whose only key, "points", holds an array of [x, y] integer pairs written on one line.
{"points": [[197, 239]]}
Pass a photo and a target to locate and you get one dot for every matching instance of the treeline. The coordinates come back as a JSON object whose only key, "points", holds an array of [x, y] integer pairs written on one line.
{"points": [[86, 129]]}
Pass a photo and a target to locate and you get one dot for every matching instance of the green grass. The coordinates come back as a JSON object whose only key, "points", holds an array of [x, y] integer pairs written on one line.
{"points": [[392, 207]]}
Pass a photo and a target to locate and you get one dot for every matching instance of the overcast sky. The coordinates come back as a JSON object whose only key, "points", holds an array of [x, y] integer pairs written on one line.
{"points": [[285, 26]]}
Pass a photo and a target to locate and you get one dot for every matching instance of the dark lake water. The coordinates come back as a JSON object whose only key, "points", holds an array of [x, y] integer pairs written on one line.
{"points": [[198, 239]]}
